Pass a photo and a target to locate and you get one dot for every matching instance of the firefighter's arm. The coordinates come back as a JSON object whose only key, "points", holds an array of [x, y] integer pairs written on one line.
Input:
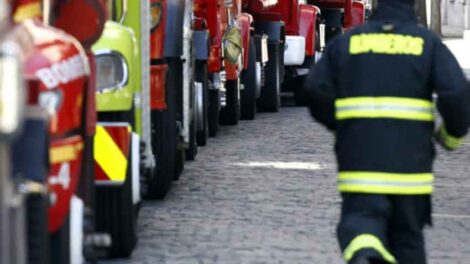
{"points": [[320, 89], [453, 103]]}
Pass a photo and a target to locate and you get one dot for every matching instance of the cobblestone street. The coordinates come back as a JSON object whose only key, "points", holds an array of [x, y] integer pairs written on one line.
{"points": [[264, 192]]}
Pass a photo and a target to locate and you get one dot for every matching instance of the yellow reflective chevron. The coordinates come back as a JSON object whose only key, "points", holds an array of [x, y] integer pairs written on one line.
{"points": [[449, 141], [367, 241], [384, 107], [385, 183], [391, 44], [109, 156]]}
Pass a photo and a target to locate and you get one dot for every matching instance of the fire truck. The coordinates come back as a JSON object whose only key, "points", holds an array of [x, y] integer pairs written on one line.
{"points": [[147, 96], [298, 31], [233, 58], [60, 91]]}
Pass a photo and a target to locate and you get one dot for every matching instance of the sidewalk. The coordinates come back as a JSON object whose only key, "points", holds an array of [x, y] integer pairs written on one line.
{"points": [[461, 49]]}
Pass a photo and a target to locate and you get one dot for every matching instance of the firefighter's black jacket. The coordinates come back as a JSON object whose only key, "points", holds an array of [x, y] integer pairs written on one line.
{"points": [[375, 88]]}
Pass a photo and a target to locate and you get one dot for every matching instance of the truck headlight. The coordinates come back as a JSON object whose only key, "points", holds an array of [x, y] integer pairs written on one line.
{"points": [[111, 71], [12, 97]]}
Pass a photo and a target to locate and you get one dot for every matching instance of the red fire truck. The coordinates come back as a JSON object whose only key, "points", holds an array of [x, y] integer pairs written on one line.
{"points": [[60, 83], [235, 57], [298, 31]]}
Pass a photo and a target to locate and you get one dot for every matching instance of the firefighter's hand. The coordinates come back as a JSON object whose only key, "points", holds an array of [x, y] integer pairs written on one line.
{"points": [[447, 141]]}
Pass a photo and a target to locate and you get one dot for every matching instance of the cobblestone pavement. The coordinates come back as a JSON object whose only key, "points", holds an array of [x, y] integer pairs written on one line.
{"points": [[264, 192]]}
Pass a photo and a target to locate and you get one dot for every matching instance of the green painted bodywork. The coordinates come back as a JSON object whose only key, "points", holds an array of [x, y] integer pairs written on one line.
{"points": [[121, 39]]}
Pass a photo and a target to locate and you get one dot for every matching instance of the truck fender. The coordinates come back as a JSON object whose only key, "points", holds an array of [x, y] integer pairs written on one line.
{"points": [[358, 15], [244, 21], [308, 20]]}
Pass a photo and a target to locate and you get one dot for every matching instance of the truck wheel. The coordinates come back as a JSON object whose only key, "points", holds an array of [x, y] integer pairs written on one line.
{"points": [[164, 144], [214, 107], [179, 163], [251, 85], [299, 92], [36, 228], [297, 84], [60, 244], [270, 99], [164, 149], [230, 114], [202, 133], [115, 215], [191, 151]]}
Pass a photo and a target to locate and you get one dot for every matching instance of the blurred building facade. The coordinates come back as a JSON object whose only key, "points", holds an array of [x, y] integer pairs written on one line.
{"points": [[455, 17]]}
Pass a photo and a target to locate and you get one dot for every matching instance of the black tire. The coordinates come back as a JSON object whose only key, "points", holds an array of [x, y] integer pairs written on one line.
{"points": [[60, 244], [86, 191], [300, 95], [191, 151], [202, 76], [248, 79], [164, 150], [270, 99], [164, 141], [230, 114], [214, 111], [179, 164], [36, 228], [115, 215]]}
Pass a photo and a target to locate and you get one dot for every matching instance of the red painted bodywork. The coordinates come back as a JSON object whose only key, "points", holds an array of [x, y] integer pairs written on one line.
{"points": [[157, 85], [213, 15], [257, 6], [358, 15], [122, 138], [354, 11], [285, 10], [158, 69], [245, 20], [83, 19], [53, 51], [308, 22], [208, 14], [62, 181], [157, 37]]}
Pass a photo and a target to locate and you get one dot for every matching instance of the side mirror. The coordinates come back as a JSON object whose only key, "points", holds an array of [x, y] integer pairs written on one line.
{"points": [[83, 19]]}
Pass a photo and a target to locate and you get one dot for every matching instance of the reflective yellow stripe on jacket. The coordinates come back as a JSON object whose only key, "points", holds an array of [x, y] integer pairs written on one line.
{"points": [[449, 141], [384, 107], [386, 183]]}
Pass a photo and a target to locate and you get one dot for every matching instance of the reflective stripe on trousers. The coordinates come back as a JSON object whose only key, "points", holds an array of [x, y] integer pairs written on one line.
{"points": [[367, 241]]}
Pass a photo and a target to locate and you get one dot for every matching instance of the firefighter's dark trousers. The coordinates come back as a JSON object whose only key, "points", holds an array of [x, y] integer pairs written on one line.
{"points": [[383, 228]]}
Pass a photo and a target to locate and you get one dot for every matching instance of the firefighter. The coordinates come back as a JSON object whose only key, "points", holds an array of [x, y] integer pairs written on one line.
{"points": [[374, 88]]}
